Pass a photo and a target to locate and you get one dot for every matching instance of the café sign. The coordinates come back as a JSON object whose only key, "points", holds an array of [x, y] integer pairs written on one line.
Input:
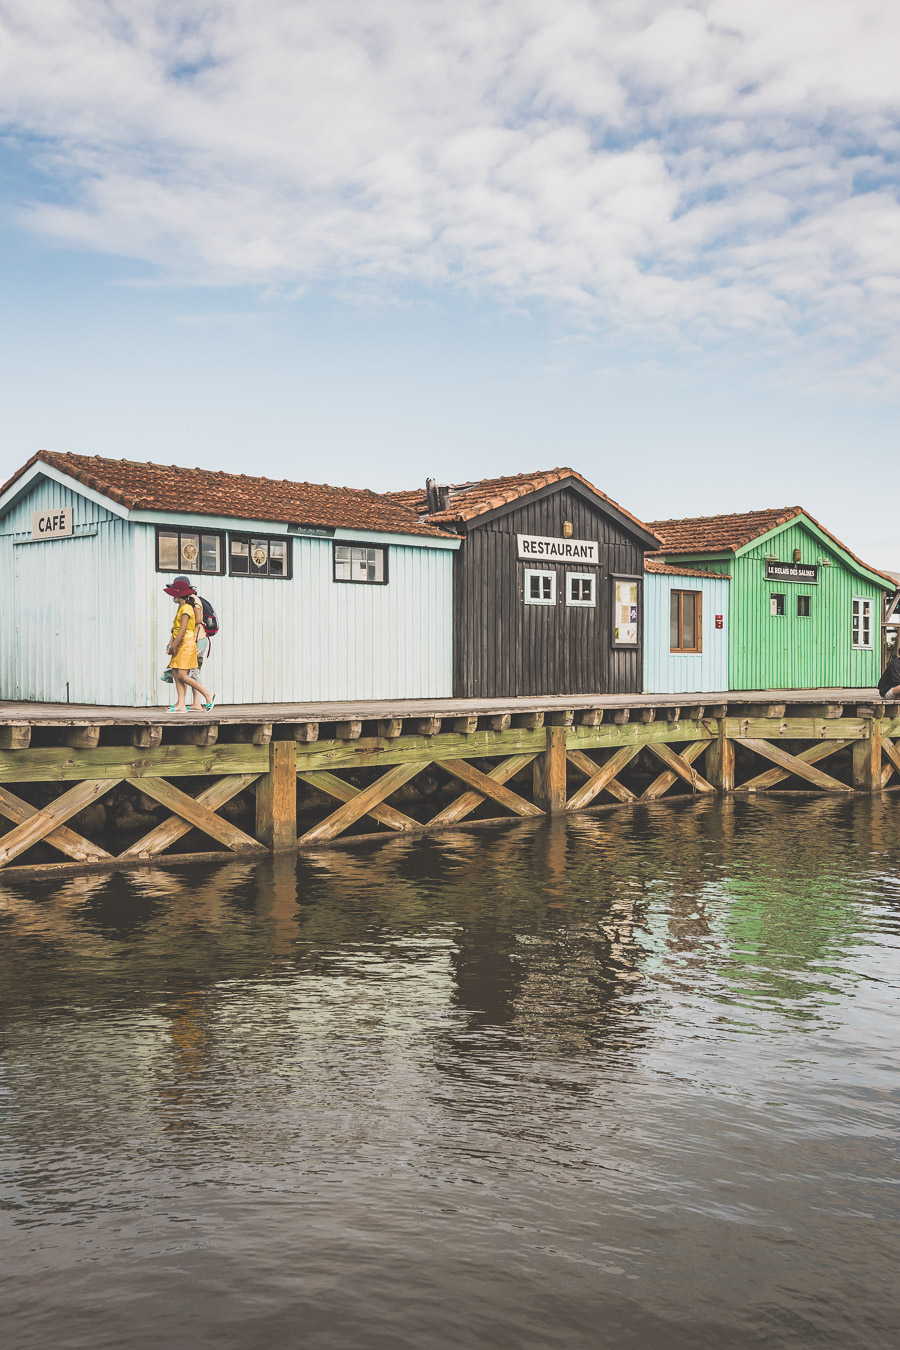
{"points": [[540, 548], [779, 571], [57, 524]]}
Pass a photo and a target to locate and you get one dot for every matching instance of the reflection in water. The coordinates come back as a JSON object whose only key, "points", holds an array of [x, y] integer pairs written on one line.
{"points": [[616, 1080]]}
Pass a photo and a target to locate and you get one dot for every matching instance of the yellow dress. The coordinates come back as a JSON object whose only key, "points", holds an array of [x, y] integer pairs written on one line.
{"points": [[185, 657]]}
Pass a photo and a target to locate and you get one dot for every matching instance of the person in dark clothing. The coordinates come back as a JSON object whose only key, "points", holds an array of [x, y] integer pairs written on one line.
{"points": [[889, 684]]}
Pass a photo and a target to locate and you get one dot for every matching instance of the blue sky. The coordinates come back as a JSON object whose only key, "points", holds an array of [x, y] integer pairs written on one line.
{"points": [[362, 244]]}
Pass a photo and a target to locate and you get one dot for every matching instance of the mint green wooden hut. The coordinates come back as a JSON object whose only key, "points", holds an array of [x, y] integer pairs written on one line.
{"points": [[804, 612]]}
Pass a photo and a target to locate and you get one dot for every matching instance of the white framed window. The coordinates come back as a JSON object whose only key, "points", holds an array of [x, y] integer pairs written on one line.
{"points": [[776, 604], [581, 589], [365, 563], [540, 588], [862, 621]]}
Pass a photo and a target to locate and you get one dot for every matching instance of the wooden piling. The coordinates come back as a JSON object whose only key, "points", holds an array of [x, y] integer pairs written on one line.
{"points": [[550, 773], [276, 799]]}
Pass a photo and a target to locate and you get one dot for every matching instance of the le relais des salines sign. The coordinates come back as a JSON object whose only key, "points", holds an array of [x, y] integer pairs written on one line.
{"points": [[52, 524], [540, 548], [779, 571]]}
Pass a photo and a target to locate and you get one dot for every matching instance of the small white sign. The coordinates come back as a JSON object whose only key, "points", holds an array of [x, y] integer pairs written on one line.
{"points": [[52, 524], [538, 547]]}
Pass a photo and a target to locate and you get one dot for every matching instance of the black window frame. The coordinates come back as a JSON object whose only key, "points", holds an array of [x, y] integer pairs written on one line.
{"points": [[249, 536], [192, 529], [807, 612], [359, 581], [778, 613]]}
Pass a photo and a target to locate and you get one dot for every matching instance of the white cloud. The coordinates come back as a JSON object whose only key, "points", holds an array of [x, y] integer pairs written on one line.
{"points": [[685, 170]]}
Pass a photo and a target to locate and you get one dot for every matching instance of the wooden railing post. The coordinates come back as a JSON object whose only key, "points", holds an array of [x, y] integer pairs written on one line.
{"points": [[276, 799], [867, 758], [720, 761], [550, 773]]}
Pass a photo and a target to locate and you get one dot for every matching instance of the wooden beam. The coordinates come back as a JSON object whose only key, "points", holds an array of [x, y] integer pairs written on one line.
{"points": [[751, 710], [793, 764], [354, 810], [590, 717], [57, 764], [720, 761], [891, 752], [390, 729], [253, 733], [276, 799], [466, 804], [886, 774], [15, 736], [672, 714], [37, 827], [66, 840], [173, 828], [716, 709], [499, 721], [348, 731], [146, 738], [345, 792], [427, 726], [464, 726], [830, 710], [811, 755], [531, 721], [600, 777], [305, 732], [695, 713], [489, 787], [678, 764], [867, 759], [549, 777], [797, 728], [621, 716], [202, 734], [661, 785], [562, 717], [81, 738], [195, 813]]}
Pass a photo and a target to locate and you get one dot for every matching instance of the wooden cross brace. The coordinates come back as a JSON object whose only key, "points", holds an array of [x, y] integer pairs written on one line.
{"points": [[600, 778], [493, 788], [892, 755], [797, 764], [41, 824], [66, 840], [176, 826], [680, 768], [360, 803], [811, 755], [466, 804]]}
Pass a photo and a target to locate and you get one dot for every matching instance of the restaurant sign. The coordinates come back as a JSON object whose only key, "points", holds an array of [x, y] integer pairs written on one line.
{"points": [[779, 571], [539, 548], [52, 524]]}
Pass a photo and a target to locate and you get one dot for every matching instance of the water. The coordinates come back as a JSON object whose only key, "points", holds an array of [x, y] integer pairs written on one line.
{"points": [[626, 1080]]}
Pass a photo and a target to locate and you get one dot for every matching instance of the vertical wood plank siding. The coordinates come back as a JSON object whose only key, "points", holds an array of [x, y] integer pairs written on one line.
{"points": [[92, 611], [505, 648], [668, 672], [788, 652]]}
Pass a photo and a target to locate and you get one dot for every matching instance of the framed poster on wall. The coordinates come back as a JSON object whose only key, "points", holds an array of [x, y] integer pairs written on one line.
{"points": [[625, 612]]}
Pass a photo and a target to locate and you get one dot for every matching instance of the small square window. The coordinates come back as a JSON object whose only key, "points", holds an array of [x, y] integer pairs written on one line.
{"points": [[366, 563], [803, 606], [254, 556], [776, 603], [189, 551], [581, 589], [540, 588]]}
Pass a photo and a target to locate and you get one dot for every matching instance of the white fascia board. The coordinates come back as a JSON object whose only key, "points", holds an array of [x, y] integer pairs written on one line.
{"points": [[41, 470], [279, 527]]}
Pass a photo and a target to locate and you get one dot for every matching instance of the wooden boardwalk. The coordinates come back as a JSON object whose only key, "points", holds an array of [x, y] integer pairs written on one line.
{"points": [[116, 787]]}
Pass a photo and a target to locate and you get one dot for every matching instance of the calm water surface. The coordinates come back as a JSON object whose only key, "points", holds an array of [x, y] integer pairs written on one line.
{"points": [[627, 1080]]}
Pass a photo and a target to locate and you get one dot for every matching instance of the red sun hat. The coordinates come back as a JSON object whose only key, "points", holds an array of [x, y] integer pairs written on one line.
{"points": [[179, 588]]}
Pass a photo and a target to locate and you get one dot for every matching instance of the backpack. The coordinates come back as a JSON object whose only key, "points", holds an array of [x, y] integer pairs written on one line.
{"points": [[210, 618]]}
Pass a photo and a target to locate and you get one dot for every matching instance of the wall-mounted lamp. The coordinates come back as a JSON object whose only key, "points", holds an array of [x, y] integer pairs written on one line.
{"points": [[567, 529], [797, 555]]}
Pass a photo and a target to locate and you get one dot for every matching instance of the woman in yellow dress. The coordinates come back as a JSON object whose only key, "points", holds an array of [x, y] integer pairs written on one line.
{"points": [[183, 648]]}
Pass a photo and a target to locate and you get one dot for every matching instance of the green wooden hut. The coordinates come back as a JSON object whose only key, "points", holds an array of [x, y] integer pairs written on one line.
{"points": [[804, 612]]}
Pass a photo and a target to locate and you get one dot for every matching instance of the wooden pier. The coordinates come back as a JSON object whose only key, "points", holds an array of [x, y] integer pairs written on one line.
{"points": [[260, 778]]}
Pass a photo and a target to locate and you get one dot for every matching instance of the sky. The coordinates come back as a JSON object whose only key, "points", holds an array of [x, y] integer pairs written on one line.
{"points": [[365, 243]]}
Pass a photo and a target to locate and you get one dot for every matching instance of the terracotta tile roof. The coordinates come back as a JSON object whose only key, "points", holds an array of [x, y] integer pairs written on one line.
{"points": [[468, 500], [723, 534], [204, 492], [659, 565], [713, 534]]}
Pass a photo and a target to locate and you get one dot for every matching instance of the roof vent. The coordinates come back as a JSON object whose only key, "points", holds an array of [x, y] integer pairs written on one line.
{"points": [[437, 495]]}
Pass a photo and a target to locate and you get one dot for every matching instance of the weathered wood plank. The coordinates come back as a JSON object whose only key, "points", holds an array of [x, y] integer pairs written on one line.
{"points": [[601, 777], [562, 717], [360, 805], [57, 764], [195, 813], [254, 733], [466, 804], [793, 764], [647, 715], [621, 716], [15, 736], [590, 717], [427, 726], [345, 792], [37, 827], [146, 738], [348, 731], [811, 755], [720, 761], [305, 732], [66, 840], [276, 799], [390, 728], [549, 776], [80, 738], [867, 759], [679, 765], [464, 726], [173, 828], [499, 721], [796, 728], [673, 714], [891, 752], [202, 735], [489, 787], [531, 721], [661, 785]]}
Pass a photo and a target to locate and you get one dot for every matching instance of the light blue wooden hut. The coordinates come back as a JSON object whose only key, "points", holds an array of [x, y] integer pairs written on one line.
{"points": [[685, 629], [322, 593]]}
